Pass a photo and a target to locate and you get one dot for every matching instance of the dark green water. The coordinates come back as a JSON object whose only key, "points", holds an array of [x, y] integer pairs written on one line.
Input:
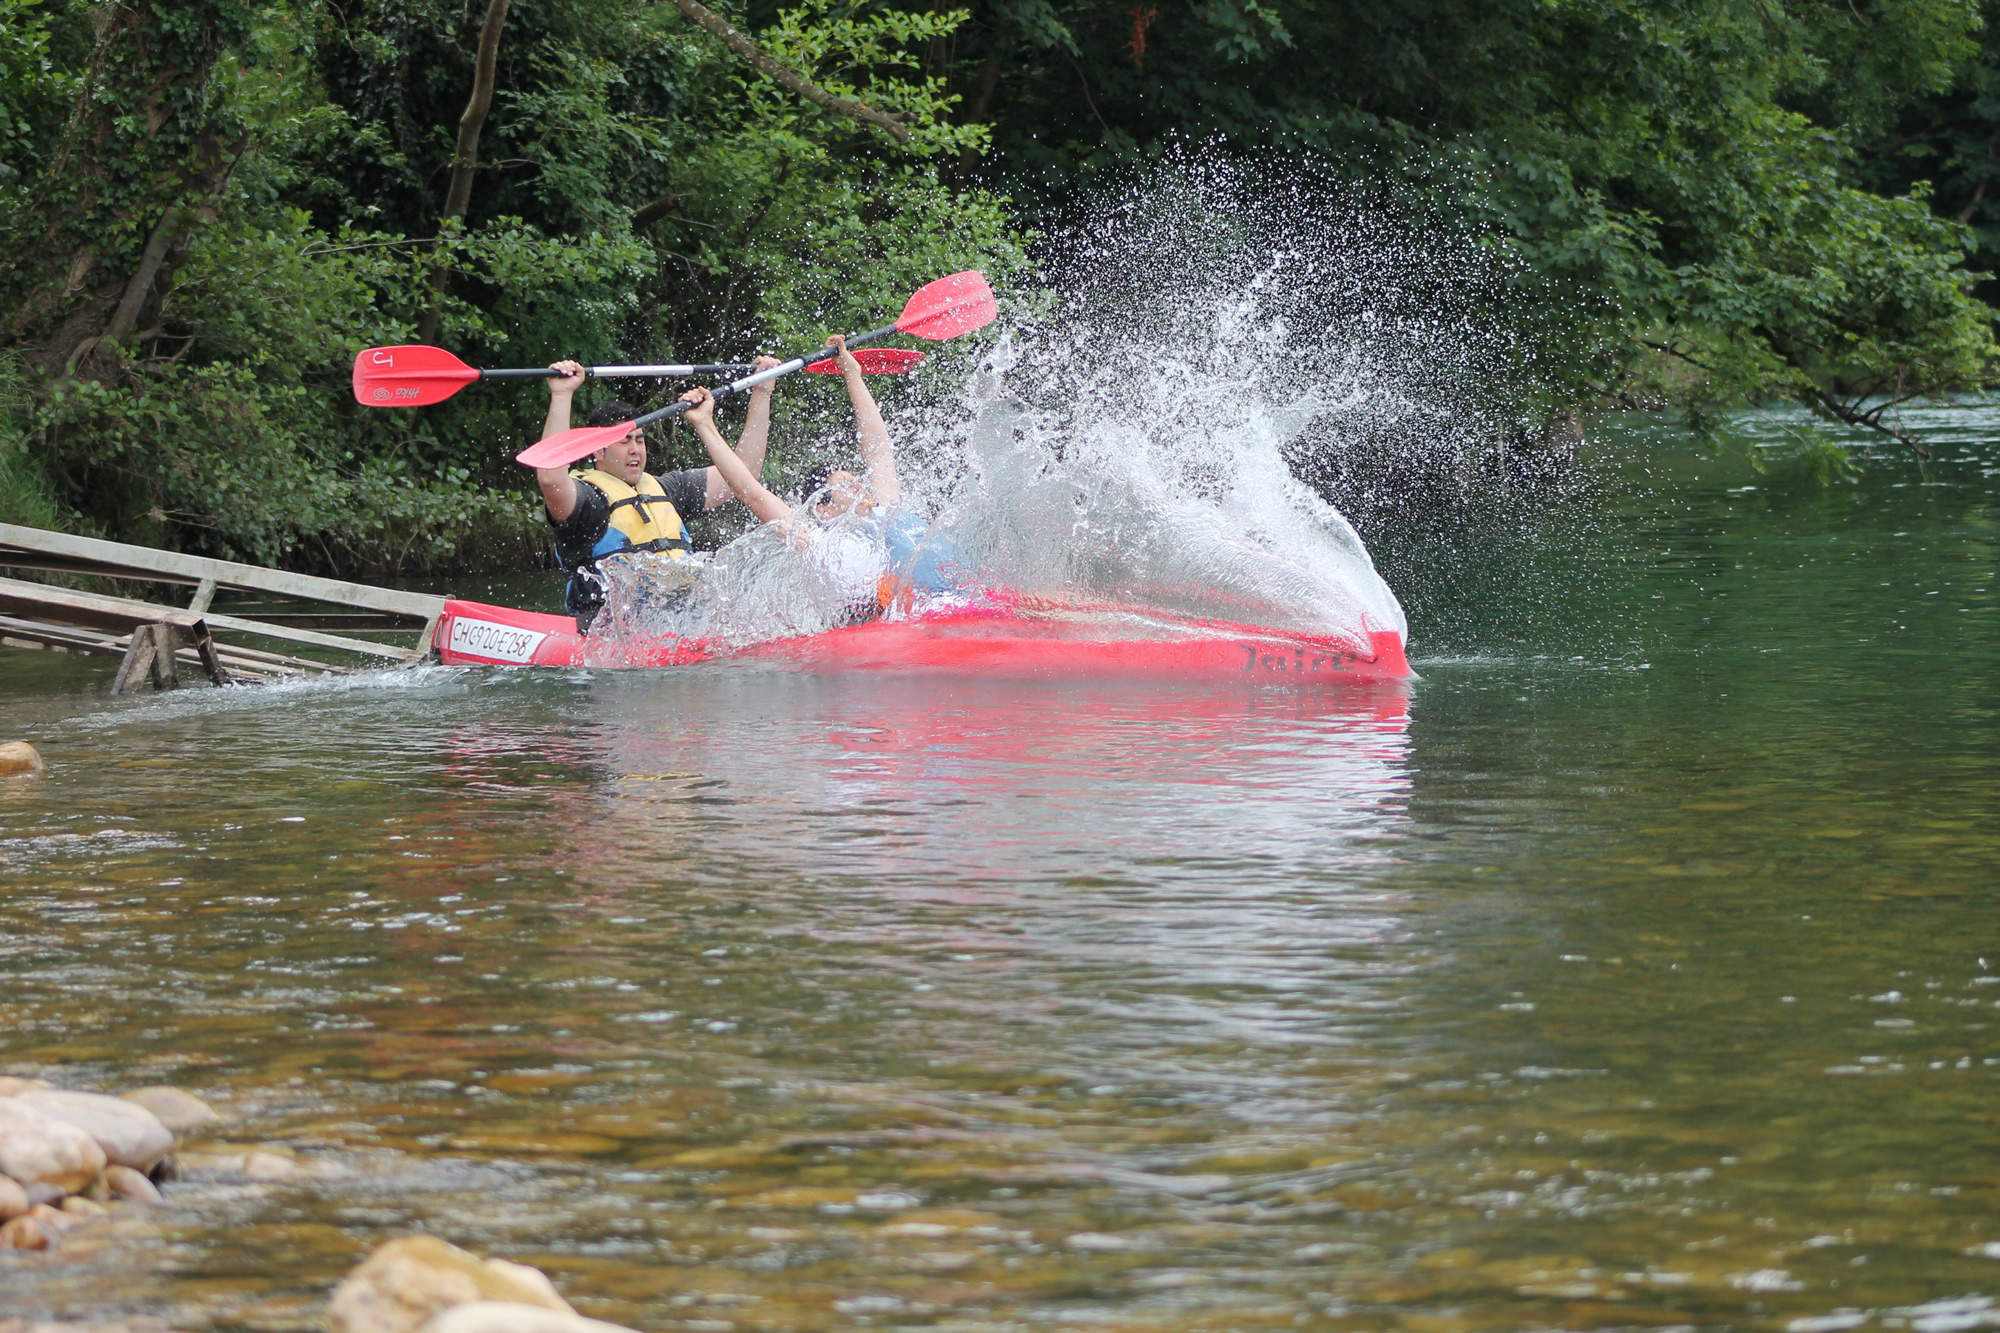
{"points": [[1636, 968]]}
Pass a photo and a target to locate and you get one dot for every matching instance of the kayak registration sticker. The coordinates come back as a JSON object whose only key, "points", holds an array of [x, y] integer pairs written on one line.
{"points": [[495, 643]]}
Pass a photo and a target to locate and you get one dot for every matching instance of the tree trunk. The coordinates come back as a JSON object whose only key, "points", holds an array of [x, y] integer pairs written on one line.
{"points": [[466, 160], [982, 97]]}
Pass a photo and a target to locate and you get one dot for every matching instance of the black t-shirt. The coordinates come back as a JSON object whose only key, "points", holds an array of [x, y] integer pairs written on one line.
{"points": [[577, 535]]}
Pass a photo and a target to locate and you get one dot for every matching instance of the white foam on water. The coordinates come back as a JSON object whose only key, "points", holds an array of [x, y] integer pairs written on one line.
{"points": [[1129, 434]]}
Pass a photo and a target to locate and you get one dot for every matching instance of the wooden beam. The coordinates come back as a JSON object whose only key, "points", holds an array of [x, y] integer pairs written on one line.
{"points": [[166, 642], [143, 562], [242, 661], [68, 606], [341, 621], [138, 663], [56, 636], [211, 661], [12, 558], [425, 643]]}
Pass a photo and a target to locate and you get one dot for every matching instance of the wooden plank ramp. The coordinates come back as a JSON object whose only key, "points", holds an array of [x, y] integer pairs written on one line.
{"points": [[156, 639]]}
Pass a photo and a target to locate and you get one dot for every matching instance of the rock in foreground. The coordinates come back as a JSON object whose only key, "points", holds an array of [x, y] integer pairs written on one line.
{"points": [[407, 1283], [36, 1148], [509, 1317], [129, 1134], [65, 1155], [18, 758]]}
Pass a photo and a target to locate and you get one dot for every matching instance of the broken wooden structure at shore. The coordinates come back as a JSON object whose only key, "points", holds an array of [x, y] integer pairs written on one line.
{"points": [[156, 640]]}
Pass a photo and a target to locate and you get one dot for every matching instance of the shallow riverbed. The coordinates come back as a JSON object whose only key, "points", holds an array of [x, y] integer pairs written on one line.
{"points": [[1637, 967]]}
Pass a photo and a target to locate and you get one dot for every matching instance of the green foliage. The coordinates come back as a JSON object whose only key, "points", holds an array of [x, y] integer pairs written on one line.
{"points": [[26, 495], [1702, 202], [1950, 137], [1677, 177], [223, 421], [1813, 460], [775, 205], [37, 86]]}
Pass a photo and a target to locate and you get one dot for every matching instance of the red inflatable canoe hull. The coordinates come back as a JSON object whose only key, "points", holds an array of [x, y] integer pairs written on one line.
{"points": [[1017, 638]]}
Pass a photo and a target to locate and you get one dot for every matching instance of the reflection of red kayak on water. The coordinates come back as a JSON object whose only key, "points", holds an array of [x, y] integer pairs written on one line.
{"points": [[1005, 635]]}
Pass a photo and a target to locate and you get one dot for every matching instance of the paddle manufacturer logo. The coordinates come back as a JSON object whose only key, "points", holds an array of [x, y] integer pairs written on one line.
{"points": [[495, 643]]}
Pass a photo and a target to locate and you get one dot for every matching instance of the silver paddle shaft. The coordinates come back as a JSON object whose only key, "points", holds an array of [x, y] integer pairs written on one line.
{"points": [[749, 382], [620, 372]]}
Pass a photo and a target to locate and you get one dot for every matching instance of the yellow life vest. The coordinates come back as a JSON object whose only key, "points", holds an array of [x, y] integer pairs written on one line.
{"points": [[642, 518]]}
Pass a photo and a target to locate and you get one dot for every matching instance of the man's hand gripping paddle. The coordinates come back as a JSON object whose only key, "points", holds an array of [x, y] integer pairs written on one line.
{"points": [[940, 310], [417, 376]]}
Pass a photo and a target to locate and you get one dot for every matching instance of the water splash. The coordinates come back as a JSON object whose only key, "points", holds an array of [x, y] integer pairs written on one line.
{"points": [[1145, 431]]}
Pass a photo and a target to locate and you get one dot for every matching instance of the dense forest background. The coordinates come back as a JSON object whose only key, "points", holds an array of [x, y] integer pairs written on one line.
{"points": [[206, 208]]}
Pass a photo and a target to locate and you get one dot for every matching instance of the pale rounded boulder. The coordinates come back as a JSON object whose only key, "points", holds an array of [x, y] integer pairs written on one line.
{"points": [[129, 1184], [10, 1087], [177, 1110], [129, 1134], [19, 759], [510, 1317], [13, 1199], [37, 1148], [408, 1282]]}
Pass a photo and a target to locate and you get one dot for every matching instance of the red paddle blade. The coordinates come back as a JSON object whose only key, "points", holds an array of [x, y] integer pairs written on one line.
{"points": [[560, 450], [874, 361], [948, 307], [413, 376]]}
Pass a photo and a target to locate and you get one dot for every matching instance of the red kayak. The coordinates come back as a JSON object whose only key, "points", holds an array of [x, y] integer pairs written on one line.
{"points": [[1006, 635]]}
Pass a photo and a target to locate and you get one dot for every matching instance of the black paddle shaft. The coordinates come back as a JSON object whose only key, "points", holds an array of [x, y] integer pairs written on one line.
{"points": [[618, 372], [749, 382]]}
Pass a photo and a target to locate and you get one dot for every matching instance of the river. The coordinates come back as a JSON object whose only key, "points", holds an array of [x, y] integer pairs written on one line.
{"points": [[1636, 967]]}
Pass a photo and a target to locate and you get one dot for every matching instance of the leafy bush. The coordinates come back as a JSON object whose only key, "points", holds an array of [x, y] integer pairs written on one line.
{"points": [[221, 421]]}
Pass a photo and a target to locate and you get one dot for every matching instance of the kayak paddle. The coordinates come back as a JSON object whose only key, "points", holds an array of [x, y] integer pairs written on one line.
{"points": [[874, 361], [417, 376], [939, 310]]}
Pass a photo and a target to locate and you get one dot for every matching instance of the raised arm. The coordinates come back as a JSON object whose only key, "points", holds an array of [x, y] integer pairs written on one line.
{"points": [[876, 451], [750, 446], [558, 487], [735, 473]]}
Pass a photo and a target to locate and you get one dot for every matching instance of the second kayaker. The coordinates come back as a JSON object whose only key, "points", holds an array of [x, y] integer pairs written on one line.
{"points": [[615, 505], [879, 565]]}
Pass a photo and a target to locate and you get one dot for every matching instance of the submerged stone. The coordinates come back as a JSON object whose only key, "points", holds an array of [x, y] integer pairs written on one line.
{"points": [[26, 1233], [18, 758], [512, 1317], [52, 1218], [262, 1165], [177, 1110]]}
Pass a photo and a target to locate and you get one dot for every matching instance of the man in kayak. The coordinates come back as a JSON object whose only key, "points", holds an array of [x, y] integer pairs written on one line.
{"points": [[916, 559], [615, 504]]}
